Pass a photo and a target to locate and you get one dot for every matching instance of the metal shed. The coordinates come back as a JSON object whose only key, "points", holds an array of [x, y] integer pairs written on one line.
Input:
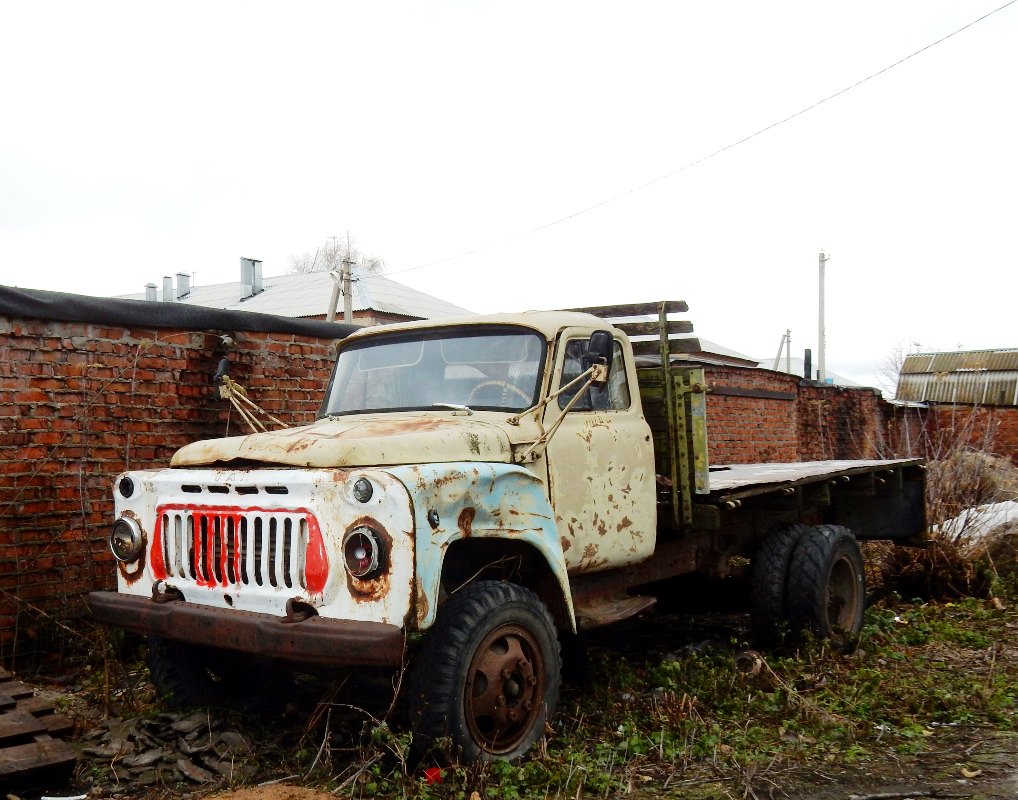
{"points": [[969, 377]]}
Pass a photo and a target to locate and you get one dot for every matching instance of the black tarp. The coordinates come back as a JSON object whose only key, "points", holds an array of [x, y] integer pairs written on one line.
{"points": [[61, 307]]}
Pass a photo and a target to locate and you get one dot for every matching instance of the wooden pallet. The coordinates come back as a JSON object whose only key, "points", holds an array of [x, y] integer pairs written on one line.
{"points": [[31, 754]]}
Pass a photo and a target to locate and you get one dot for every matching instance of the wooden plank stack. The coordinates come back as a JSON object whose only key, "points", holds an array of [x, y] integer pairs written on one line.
{"points": [[31, 754]]}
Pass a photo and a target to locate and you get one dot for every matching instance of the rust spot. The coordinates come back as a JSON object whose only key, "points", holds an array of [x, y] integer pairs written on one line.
{"points": [[566, 544], [466, 520], [139, 569], [365, 591], [601, 526], [422, 605], [589, 552], [303, 443], [625, 523], [384, 427]]}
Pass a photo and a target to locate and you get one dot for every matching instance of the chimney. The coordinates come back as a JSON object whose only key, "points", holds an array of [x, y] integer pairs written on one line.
{"points": [[150, 292], [183, 284], [167, 289], [250, 277]]}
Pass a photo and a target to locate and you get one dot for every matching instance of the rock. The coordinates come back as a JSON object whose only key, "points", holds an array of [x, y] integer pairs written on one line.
{"points": [[192, 723], [234, 741], [146, 759], [193, 772]]}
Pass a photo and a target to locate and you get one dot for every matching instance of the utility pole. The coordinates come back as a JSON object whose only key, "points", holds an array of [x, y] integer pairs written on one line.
{"points": [[347, 284], [822, 343], [786, 345]]}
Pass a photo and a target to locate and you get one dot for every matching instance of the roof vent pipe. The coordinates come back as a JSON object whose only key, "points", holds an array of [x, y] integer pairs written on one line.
{"points": [[250, 277], [167, 288], [150, 292], [183, 284]]}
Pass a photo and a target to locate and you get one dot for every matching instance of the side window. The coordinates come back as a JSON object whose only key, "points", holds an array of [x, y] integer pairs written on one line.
{"points": [[614, 396]]}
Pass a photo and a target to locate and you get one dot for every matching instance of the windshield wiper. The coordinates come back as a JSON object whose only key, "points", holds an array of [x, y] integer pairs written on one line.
{"points": [[454, 407]]}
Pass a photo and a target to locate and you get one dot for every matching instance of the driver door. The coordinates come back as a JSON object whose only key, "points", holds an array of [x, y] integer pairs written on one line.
{"points": [[601, 463]]}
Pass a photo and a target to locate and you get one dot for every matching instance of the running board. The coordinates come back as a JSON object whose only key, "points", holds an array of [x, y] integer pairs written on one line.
{"points": [[606, 610]]}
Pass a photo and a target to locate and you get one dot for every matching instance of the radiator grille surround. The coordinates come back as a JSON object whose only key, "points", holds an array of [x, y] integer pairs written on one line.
{"points": [[218, 547]]}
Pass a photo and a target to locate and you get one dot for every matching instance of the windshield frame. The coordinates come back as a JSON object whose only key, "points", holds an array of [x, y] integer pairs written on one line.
{"points": [[437, 333]]}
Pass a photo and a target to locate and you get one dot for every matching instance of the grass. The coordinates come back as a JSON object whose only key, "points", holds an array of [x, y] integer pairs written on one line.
{"points": [[716, 720]]}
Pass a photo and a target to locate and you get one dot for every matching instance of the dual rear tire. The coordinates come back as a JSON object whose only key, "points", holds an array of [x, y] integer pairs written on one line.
{"points": [[808, 580]]}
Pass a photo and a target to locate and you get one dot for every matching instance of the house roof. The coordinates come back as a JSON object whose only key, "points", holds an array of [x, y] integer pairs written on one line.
{"points": [[797, 367], [308, 295], [970, 377]]}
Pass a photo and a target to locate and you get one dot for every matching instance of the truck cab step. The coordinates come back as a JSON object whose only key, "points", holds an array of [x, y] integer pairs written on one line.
{"points": [[606, 610]]}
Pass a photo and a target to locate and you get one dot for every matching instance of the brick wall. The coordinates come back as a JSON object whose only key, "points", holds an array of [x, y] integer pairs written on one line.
{"points": [[756, 415], [751, 416], [81, 402], [990, 428]]}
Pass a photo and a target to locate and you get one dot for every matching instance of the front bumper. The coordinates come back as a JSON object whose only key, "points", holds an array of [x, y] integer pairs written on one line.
{"points": [[315, 640]]}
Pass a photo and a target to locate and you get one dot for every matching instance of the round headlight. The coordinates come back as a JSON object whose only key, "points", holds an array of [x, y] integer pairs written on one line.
{"points": [[362, 552], [362, 490], [127, 540]]}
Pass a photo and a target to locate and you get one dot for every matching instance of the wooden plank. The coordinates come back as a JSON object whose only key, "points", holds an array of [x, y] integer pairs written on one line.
{"points": [[16, 689], [52, 756], [651, 347], [654, 328], [634, 309], [18, 725], [6, 701]]}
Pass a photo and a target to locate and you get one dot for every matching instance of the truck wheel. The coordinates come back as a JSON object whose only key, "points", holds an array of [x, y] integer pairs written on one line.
{"points": [[769, 583], [487, 676], [827, 585], [189, 675]]}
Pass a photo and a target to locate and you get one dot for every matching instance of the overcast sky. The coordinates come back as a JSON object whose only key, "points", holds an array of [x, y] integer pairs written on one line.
{"points": [[139, 140]]}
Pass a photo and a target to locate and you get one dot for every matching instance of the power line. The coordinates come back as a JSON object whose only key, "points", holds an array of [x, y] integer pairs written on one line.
{"points": [[709, 156]]}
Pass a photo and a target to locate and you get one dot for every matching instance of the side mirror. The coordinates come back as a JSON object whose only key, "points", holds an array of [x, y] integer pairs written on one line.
{"points": [[600, 349]]}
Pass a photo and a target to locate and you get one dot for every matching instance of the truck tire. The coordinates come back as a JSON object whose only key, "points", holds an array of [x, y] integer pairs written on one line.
{"points": [[769, 583], [827, 585], [486, 679], [190, 676]]}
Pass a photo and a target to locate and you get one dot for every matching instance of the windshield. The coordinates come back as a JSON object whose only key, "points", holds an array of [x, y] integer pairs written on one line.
{"points": [[485, 369]]}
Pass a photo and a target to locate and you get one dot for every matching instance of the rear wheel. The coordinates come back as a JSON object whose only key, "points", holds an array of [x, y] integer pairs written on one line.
{"points": [[487, 676], [827, 585], [769, 583]]}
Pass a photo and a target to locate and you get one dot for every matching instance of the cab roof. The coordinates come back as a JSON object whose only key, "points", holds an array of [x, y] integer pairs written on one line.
{"points": [[547, 323]]}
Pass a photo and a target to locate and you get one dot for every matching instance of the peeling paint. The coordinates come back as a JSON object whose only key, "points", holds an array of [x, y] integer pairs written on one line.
{"points": [[466, 519], [487, 501]]}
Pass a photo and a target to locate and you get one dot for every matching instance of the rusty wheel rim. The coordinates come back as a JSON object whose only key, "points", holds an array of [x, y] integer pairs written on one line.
{"points": [[843, 597], [504, 691]]}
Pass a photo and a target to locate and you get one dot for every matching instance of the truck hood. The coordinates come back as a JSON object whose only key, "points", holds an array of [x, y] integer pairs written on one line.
{"points": [[361, 441]]}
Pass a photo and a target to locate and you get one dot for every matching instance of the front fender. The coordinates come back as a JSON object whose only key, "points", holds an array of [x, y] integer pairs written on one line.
{"points": [[473, 500]]}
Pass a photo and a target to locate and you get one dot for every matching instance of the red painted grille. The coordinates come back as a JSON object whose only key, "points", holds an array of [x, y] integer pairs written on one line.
{"points": [[278, 548]]}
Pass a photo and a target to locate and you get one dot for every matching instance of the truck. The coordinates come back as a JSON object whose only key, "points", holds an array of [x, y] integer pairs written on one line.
{"points": [[475, 492]]}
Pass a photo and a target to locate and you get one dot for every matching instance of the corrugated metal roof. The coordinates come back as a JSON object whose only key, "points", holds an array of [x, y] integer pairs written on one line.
{"points": [[972, 377], [308, 295], [961, 360]]}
